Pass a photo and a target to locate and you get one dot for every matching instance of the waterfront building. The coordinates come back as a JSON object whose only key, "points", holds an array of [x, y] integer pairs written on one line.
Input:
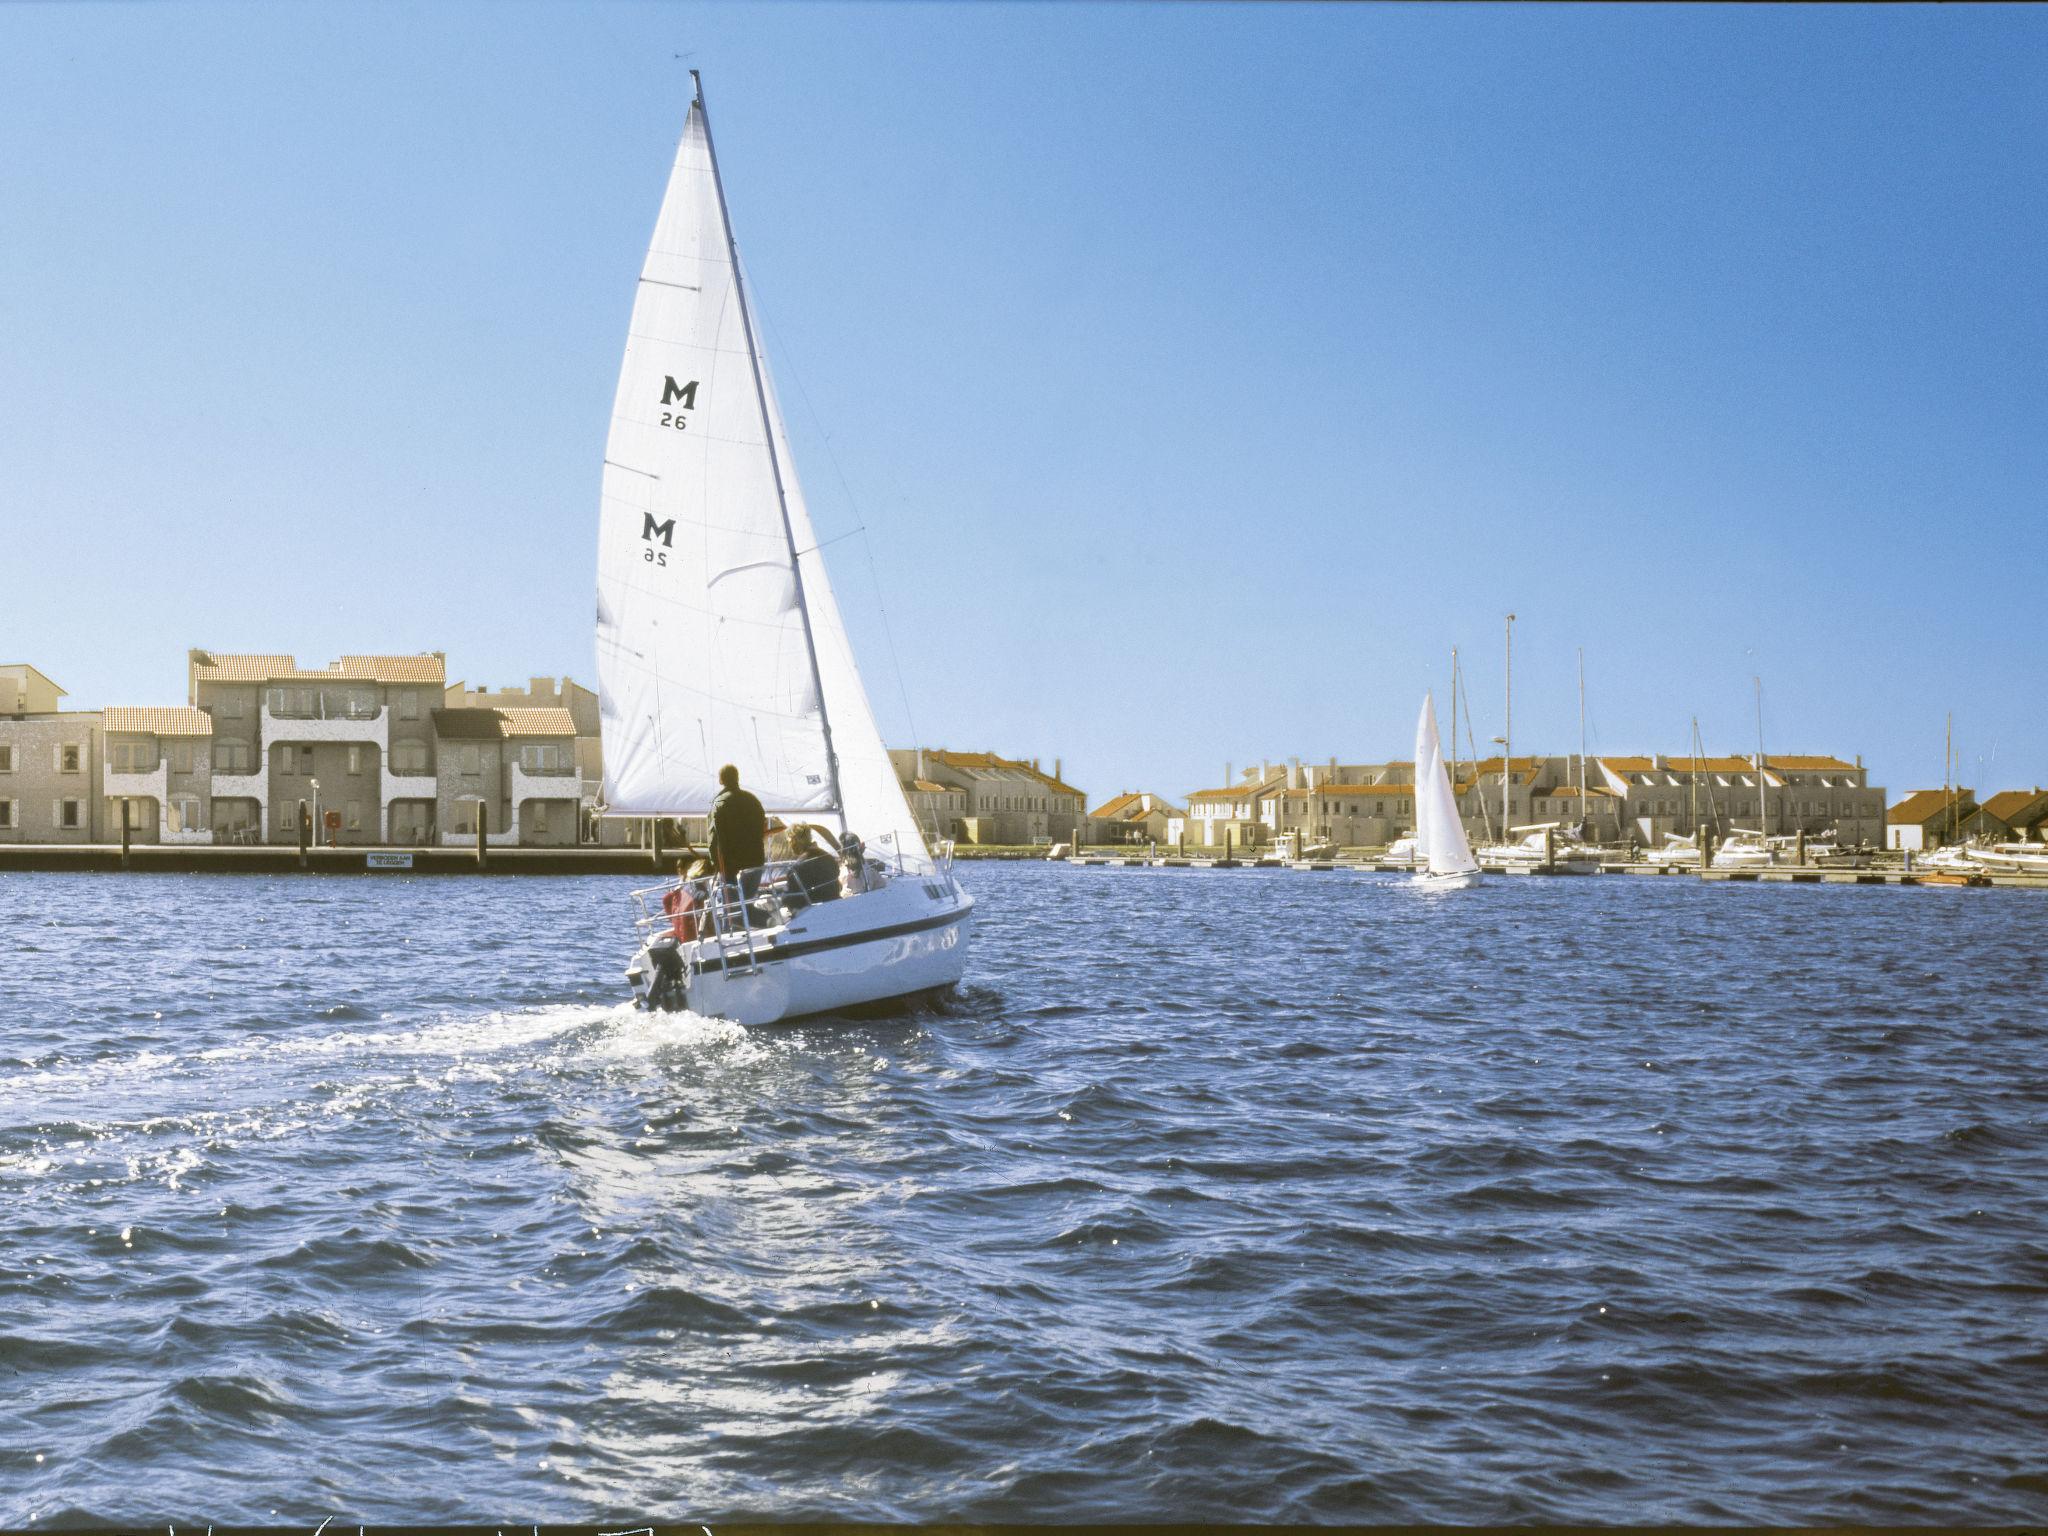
{"points": [[513, 770], [1350, 804], [1626, 799], [157, 774], [49, 762], [547, 693], [980, 797], [350, 744], [2022, 812], [1822, 796], [1928, 818], [1132, 818]]}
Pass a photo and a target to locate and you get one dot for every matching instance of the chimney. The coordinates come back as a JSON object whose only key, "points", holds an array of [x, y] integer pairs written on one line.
{"points": [[1226, 774], [920, 762], [1145, 803], [1056, 770], [1659, 760], [1294, 774]]}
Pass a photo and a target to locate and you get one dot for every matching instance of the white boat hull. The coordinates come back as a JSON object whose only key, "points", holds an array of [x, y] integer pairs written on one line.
{"points": [[1454, 880], [904, 941], [2009, 861]]}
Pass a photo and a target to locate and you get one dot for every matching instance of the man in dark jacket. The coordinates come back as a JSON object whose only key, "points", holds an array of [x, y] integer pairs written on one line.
{"points": [[739, 829]]}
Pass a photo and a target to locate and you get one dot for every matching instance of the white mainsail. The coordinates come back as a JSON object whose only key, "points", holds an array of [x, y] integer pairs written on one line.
{"points": [[718, 638], [1440, 841]]}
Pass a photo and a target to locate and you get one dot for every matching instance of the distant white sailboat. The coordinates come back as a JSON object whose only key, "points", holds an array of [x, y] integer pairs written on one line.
{"points": [[719, 641], [1440, 843]]}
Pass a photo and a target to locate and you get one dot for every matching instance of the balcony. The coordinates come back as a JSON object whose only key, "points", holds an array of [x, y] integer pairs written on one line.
{"points": [[242, 786], [562, 784], [408, 786], [324, 722], [150, 784]]}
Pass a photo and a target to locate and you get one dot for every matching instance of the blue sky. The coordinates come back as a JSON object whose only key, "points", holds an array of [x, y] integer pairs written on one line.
{"points": [[1200, 374]]}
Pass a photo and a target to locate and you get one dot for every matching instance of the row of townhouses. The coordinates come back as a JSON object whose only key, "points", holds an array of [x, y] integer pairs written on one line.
{"points": [[979, 797], [384, 749], [368, 750], [1639, 798]]}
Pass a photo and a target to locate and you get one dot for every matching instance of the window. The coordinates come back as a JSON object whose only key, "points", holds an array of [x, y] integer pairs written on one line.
{"points": [[185, 814], [306, 761], [355, 758], [352, 816], [6, 815], [181, 757], [6, 758], [231, 756], [464, 818], [545, 757], [68, 812], [409, 757], [408, 706], [68, 762], [229, 706]]}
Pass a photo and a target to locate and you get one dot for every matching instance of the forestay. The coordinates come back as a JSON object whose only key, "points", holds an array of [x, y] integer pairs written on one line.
{"points": [[1439, 832], [718, 637]]}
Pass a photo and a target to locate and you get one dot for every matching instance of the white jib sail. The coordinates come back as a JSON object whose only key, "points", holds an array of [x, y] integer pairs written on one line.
{"points": [[1439, 833], [702, 652]]}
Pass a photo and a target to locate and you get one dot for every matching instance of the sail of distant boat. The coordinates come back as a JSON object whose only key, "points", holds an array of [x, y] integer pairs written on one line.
{"points": [[718, 636], [1441, 845]]}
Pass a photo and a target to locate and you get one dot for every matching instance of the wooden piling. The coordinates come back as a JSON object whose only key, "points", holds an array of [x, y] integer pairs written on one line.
{"points": [[305, 831], [1799, 847], [654, 840], [124, 833], [483, 824], [1550, 849]]}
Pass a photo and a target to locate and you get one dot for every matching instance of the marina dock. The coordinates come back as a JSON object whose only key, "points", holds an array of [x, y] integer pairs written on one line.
{"points": [[646, 864], [1782, 875]]}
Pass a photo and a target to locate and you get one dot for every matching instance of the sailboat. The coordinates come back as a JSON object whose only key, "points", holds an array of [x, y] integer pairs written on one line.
{"points": [[1440, 843], [719, 642]]}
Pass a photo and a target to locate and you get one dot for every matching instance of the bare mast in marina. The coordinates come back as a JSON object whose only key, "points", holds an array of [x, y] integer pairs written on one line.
{"points": [[1763, 796], [1507, 732]]}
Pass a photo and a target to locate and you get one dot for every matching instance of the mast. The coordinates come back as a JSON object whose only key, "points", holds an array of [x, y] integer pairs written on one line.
{"points": [[1948, 773], [1507, 734], [1454, 734], [1763, 799], [796, 569], [1583, 821], [1692, 783]]}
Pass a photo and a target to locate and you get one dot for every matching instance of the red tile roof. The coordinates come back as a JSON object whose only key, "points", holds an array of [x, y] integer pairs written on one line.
{"points": [[220, 667], [1923, 805], [178, 721]]}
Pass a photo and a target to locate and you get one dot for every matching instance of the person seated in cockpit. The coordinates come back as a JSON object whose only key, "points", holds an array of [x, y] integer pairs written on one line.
{"points": [[814, 877], [858, 873]]}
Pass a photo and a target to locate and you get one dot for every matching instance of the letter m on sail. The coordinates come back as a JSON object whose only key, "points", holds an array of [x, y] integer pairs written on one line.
{"points": [[650, 529], [683, 395]]}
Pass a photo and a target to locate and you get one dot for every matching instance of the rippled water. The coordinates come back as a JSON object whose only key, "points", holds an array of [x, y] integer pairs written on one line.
{"points": [[1230, 1196]]}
